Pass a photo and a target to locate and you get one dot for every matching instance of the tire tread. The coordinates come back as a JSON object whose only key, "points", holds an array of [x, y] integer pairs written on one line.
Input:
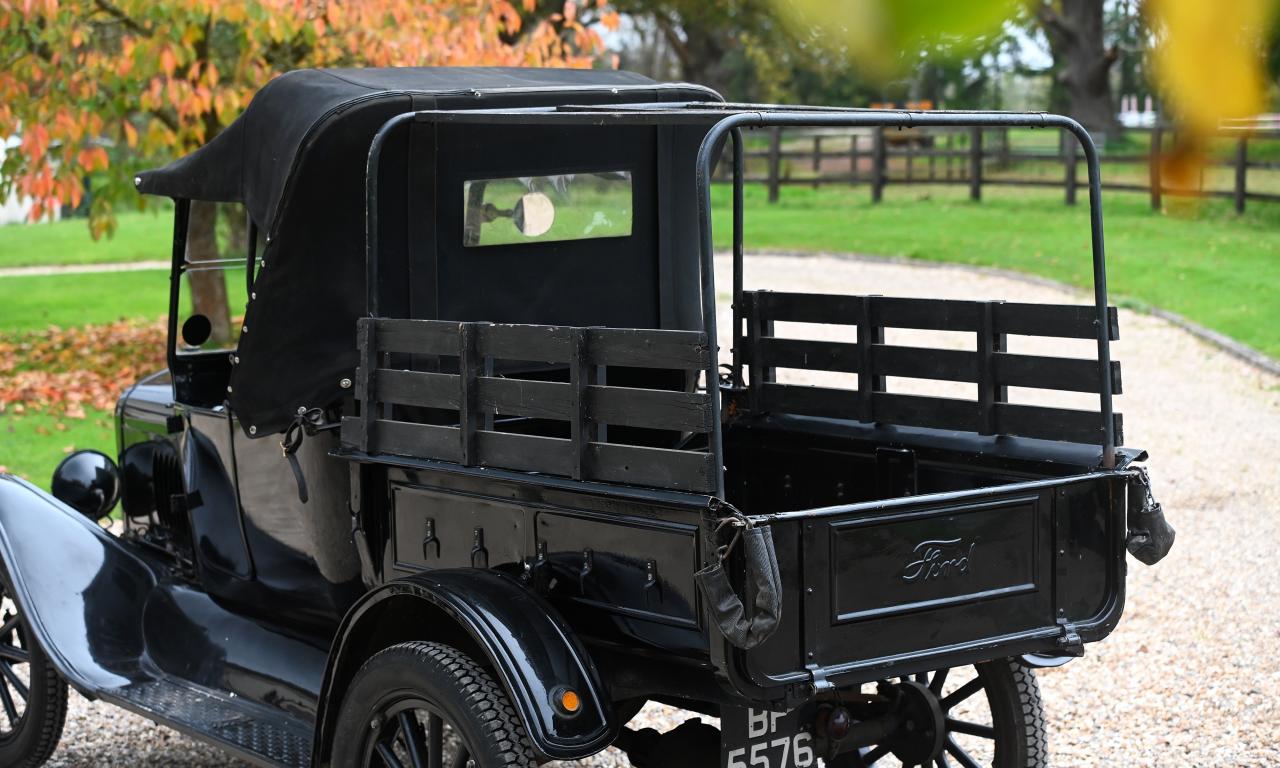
{"points": [[482, 697]]}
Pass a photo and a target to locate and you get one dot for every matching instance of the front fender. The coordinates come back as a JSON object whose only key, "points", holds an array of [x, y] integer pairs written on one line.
{"points": [[76, 586], [519, 634]]}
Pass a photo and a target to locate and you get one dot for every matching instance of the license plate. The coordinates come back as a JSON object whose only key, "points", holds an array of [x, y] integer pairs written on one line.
{"points": [[758, 738]]}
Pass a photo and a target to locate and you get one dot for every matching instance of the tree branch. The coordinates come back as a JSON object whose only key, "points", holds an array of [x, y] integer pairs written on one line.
{"points": [[112, 10], [667, 26], [1060, 33]]}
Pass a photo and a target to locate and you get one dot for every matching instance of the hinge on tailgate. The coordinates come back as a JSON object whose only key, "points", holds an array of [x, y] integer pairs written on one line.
{"points": [[1069, 641], [819, 676]]}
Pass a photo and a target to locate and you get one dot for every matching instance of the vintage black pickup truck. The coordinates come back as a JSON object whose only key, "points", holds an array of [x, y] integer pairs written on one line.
{"points": [[473, 479]]}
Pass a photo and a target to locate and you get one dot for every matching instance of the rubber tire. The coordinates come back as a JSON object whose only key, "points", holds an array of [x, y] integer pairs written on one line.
{"points": [[1017, 713], [466, 694], [40, 728], [1021, 735]]}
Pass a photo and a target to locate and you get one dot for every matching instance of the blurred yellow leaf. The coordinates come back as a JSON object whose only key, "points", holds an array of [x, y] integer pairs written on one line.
{"points": [[1208, 58], [875, 34]]}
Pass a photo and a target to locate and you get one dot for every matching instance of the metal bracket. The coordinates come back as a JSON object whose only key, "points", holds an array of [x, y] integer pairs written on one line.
{"points": [[430, 537], [479, 555], [588, 565], [652, 589]]}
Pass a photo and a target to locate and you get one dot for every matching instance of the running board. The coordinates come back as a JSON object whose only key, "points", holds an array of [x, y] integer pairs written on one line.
{"points": [[249, 730]]}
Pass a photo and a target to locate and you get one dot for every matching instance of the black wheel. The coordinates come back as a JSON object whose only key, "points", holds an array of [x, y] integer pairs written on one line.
{"points": [[33, 698], [428, 705], [950, 724]]}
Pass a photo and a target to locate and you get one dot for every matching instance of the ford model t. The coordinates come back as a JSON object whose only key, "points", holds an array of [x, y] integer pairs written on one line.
{"points": [[474, 480]]}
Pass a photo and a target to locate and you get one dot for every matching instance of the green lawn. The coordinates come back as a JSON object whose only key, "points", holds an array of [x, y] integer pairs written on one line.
{"points": [[32, 445], [34, 303], [139, 237], [1214, 267]]}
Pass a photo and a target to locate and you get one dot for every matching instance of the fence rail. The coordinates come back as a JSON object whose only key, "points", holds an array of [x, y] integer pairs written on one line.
{"points": [[979, 158]]}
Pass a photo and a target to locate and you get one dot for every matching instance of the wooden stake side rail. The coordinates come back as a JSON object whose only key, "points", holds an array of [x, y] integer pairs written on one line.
{"points": [[585, 401], [988, 365]]}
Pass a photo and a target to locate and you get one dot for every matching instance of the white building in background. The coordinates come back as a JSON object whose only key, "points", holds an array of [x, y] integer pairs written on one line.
{"points": [[1137, 115], [13, 209]]}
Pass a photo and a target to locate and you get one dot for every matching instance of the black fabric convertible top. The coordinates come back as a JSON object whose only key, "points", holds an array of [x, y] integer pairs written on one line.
{"points": [[297, 160], [251, 160]]}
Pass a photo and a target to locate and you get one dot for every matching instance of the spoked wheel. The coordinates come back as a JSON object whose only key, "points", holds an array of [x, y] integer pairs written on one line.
{"points": [[986, 715], [33, 698], [428, 705]]}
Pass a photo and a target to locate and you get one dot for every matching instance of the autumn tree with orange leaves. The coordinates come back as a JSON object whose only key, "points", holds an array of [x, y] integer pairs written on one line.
{"points": [[100, 89]]}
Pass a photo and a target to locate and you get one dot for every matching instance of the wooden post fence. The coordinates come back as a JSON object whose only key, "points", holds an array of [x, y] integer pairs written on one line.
{"points": [[975, 163], [1242, 170], [775, 162], [878, 174], [1070, 153], [1157, 139], [916, 162]]}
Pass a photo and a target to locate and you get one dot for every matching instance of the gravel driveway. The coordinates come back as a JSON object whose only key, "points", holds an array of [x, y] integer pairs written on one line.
{"points": [[1191, 676]]}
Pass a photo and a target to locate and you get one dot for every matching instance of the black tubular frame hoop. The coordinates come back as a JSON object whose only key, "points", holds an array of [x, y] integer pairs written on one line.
{"points": [[734, 123], [726, 123]]}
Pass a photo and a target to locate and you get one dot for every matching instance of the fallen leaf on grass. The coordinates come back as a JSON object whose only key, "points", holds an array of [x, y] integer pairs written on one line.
{"points": [[61, 371]]}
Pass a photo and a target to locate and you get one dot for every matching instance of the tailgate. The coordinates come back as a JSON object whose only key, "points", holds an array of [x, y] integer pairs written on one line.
{"points": [[1032, 566]]}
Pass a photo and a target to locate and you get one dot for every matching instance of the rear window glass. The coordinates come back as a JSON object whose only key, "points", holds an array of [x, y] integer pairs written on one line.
{"points": [[540, 209]]}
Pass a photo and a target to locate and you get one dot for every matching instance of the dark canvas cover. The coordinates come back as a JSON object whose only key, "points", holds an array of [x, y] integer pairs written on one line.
{"points": [[297, 160]]}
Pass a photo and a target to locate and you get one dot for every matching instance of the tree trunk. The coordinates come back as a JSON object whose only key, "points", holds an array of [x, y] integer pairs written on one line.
{"points": [[208, 288], [1082, 60]]}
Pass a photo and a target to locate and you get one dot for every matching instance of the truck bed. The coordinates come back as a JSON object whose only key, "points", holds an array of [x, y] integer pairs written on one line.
{"points": [[909, 549]]}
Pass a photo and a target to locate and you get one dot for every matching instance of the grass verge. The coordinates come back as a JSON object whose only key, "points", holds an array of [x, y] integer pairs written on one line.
{"points": [[139, 237], [36, 302]]}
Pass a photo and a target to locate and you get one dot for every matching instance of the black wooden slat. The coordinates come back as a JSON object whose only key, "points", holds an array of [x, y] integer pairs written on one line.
{"points": [[352, 432], [921, 411], [652, 408], [429, 390], [543, 343], [1052, 423], [1059, 373], [925, 363], [523, 397], [810, 355], [427, 337], [469, 367], [642, 348], [366, 378], [927, 314], [1057, 320], [809, 401], [427, 441], [869, 334], [826, 308], [525, 453], [988, 340], [577, 397], [655, 467]]}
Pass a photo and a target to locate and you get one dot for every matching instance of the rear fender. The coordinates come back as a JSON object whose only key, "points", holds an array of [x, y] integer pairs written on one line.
{"points": [[81, 592], [504, 626]]}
